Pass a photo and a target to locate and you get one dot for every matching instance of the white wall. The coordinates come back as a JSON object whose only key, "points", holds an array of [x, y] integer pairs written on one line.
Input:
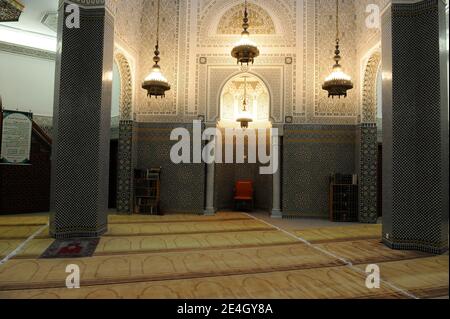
{"points": [[26, 83]]}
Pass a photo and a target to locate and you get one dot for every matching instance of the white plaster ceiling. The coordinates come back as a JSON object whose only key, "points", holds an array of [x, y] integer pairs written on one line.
{"points": [[32, 29]]}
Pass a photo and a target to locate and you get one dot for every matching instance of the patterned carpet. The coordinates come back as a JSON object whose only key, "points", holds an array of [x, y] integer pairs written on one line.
{"points": [[229, 255]]}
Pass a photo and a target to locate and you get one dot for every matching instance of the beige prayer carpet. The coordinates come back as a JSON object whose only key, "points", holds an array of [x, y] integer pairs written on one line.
{"points": [[229, 255], [345, 233]]}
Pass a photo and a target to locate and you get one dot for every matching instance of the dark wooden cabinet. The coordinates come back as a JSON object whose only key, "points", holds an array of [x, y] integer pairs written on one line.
{"points": [[147, 191], [344, 194]]}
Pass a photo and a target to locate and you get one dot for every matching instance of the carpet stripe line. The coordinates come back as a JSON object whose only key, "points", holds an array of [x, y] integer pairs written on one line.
{"points": [[347, 262], [22, 245]]}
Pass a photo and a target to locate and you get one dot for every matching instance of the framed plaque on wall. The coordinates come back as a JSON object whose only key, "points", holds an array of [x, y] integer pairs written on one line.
{"points": [[16, 130]]}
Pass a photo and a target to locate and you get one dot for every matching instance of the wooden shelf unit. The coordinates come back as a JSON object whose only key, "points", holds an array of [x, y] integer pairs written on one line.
{"points": [[344, 198], [147, 191]]}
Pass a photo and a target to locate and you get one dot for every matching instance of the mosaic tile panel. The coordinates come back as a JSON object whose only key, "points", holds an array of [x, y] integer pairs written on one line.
{"points": [[125, 168], [183, 185], [311, 153], [368, 182]]}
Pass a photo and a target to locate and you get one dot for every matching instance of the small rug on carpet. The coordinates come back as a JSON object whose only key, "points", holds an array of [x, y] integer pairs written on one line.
{"points": [[71, 248]]}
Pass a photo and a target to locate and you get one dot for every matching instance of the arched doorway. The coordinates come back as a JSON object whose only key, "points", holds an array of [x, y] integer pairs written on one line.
{"points": [[252, 89]]}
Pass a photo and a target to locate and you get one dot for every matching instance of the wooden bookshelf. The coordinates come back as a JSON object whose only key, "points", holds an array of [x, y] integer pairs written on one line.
{"points": [[344, 198], [147, 184]]}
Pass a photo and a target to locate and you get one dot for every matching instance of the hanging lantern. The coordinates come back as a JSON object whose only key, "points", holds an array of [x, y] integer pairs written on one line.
{"points": [[155, 83], [245, 51], [338, 82], [246, 118]]}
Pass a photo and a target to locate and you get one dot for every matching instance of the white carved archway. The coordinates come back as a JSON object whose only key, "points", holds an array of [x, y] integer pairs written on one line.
{"points": [[232, 97], [126, 89], [369, 91]]}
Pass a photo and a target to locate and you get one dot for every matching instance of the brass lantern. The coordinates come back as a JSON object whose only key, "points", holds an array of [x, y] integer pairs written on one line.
{"points": [[245, 51], [156, 83], [338, 82], [246, 118]]}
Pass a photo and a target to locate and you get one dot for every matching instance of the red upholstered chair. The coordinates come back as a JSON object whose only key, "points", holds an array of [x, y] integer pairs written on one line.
{"points": [[243, 193]]}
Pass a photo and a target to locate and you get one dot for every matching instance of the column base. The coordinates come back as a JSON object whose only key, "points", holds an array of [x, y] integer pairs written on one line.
{"points": [[276, 214], [70, 234], [210, 211], [429, 248]]}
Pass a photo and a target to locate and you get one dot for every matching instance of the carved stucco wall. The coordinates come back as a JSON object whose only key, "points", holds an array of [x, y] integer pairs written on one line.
{"points": [[367, 36], [368, 43], [127, 40], [296, 39], [296, 56], [231, 21], [300, 30], [369, 89], [161, 109], [127, 25]]}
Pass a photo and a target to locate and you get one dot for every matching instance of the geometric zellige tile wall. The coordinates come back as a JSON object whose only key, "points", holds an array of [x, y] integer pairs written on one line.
{"points": [[182, 185], [125, 167], [311, 153], [419, 155], [80, 158], [368, 178]]}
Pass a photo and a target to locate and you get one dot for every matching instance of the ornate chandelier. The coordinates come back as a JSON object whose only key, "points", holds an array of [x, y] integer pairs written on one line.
{"points": [[245, 51], [246, 119], [155, 83], [337, 83]]}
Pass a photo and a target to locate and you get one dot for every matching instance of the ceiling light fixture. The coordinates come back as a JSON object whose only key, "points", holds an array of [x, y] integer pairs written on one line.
{"points": [[246, 119], [337, 83], [155, 83], [245, 51]]}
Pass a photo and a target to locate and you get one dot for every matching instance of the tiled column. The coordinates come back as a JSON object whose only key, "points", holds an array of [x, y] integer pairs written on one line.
{"points": [[415, 127], [82, 119]]}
